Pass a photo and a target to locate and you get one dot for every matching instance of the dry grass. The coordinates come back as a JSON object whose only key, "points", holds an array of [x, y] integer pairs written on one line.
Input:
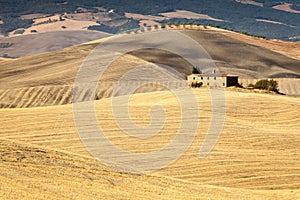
{"points": [[256, 156], [42, 157]]}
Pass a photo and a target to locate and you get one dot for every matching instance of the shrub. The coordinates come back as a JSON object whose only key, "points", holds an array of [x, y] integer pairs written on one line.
{"points": [[20, 31], [250, 85], [270, 85], [5, 45]]}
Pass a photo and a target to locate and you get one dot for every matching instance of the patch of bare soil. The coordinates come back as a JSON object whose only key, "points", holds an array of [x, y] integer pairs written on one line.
{"points": [[188, 15], [5, 60], [89, 16], [33, 16], [144, 17], [286, 7], [268, 21], [250, 2], [150, 20]]}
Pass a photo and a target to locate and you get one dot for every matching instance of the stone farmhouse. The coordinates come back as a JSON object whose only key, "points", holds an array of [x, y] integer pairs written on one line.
{"points": [[213, 80]]}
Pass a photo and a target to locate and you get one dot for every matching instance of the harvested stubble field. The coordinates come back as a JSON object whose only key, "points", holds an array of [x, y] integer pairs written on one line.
{"points": [[257, 155]]}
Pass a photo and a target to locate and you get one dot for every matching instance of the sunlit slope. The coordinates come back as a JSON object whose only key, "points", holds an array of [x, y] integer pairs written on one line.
{"points": [[29, 172], [257, 152]]}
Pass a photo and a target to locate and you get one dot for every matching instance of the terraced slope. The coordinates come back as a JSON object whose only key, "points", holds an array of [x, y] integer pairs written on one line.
{"points": [[47, 79], [256, 156]]}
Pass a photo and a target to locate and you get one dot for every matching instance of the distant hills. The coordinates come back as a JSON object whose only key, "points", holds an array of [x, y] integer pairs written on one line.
{"points": [[26, 45], [272, 19]]}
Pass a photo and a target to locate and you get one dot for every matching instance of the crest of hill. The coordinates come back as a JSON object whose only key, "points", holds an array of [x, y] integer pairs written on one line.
{"points": [[47, 79]]}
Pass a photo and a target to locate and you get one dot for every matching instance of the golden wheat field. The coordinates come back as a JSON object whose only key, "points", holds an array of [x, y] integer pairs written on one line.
{"points": [[256, 156]]}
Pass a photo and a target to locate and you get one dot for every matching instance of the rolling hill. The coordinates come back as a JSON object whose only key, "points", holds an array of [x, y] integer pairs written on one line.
{"points": [[47, 79], [25, 45], [256, 155]]}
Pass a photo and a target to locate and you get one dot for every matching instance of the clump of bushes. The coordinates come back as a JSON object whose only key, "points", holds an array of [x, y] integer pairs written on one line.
{"points": [[196, 85], [19, 32], [5, 45], [270, 85]]}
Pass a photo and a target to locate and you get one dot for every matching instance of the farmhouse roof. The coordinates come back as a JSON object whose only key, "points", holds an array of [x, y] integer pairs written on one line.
{"points": [[214, 75]]}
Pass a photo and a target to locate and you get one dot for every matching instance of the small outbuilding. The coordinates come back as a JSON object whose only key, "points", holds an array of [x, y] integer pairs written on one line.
{"points": [[213, 80]]}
